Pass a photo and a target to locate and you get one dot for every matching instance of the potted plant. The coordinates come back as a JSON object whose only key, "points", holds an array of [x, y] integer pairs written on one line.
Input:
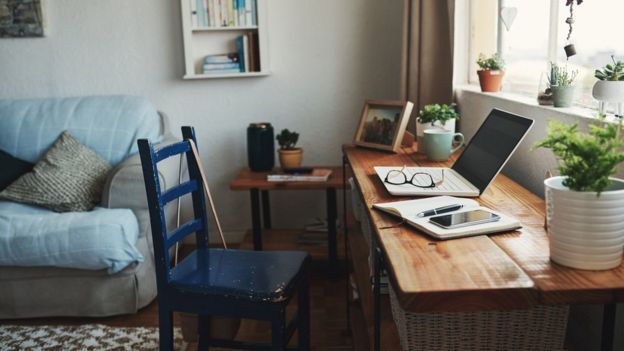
{"points": [[561, 80], [584, 204], [491, 72], [610, 86], [289, 155], [441, 116]]}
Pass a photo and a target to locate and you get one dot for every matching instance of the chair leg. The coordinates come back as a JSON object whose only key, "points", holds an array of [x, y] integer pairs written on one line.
{"points": [[278, 330], [165, 328], [303, 312], [203, 330]]}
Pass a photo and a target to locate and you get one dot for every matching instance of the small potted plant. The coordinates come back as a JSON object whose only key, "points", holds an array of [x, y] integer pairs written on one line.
{"points": [[442, 116], [561, 81], [584, 204], [491, 72], [610, 86], [289, 155]]}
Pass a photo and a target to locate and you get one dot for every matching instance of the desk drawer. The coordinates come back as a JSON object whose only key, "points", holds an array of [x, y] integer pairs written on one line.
{"points": [[539, 328]]}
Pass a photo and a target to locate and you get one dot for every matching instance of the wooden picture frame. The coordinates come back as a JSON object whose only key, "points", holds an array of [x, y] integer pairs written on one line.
{"points": [[382, 124]]}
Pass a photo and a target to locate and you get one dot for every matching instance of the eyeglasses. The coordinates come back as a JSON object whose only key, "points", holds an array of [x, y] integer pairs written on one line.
{"points": [[418, 179]]}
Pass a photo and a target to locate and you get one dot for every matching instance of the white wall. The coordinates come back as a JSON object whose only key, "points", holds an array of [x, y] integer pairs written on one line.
{"points": [[326, 57]]}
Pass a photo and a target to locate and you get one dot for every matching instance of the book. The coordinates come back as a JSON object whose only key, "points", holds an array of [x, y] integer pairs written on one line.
{"points": [[200, 12], [213, 66], [222, 58], [317, 175], [241, 12], [212, 14], [408, 210], [230, 11], [248, 19], [254, 13], [222, 71], [252, 53], [242, 46]]}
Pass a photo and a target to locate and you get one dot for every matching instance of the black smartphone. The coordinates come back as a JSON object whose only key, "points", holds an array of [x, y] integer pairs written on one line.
{"points": [[464, 219]]}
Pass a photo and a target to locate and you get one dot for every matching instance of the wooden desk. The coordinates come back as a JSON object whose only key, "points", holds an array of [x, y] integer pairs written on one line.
{"points": [[256, 183], [506, 271]]}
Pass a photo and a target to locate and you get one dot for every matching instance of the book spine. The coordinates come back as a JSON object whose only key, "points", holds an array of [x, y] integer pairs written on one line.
{"points": [[229, 58], [200, 12], [193, 13], [222, 71], [248, 19], [229, 65], [240, 47], [254, 12], [235, 5], [212, 13], [224, 12], [246, 52], [241, 13], [230, 7]]}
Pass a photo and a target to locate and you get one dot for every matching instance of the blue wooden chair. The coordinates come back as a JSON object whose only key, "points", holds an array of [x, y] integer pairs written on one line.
{"points": [[219, 282]]}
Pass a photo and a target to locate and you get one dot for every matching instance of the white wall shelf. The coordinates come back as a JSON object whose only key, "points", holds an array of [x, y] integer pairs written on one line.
{"points": [[202, 41]]}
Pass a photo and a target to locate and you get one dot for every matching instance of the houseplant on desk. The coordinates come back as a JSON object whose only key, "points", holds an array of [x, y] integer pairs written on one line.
{"points": [[441, 116], [561, 81], [490, 72], [289, 155], [584, 205]]}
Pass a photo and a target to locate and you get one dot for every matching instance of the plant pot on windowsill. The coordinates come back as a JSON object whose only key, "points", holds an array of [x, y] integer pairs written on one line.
{"points": [[585, 230], [491, 80], [562, 96], [290, 158], [608, 91]]}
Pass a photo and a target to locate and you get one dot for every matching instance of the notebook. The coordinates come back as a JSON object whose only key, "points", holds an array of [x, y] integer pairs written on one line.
{"points": [[317, 175], [482, 159], [409, 209]]}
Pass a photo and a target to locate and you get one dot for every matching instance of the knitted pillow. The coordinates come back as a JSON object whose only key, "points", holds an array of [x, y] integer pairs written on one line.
{"points": [[69, 177]]}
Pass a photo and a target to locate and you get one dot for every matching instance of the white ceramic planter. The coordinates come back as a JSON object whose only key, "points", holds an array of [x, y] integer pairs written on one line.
{"points": [[612, 92], [421, 127], [585, 231]]}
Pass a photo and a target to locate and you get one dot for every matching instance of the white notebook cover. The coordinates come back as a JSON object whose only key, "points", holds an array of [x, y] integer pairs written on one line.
{"points": [[410, 208]]}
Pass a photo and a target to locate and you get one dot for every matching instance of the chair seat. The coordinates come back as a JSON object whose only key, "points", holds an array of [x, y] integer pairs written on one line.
{"points": [[259, 276]]}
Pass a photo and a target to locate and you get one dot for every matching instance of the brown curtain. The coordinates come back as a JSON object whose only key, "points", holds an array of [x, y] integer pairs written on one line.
{"points": [[427, 55]]}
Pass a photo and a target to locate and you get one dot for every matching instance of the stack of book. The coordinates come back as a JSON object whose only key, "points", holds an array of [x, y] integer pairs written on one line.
{"points": [[221, 64], [248, 52], [223, 13]]}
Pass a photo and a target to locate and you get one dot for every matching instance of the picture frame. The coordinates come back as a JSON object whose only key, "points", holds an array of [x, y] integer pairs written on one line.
{"points": [[383, 124]]}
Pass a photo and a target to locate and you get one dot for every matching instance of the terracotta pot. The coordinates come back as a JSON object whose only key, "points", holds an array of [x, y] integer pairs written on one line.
{"points": [[290, 158], [490, 80]]}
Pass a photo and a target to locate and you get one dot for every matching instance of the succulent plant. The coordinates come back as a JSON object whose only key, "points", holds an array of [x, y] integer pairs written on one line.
{"points": [[612, 72], [493, 63], [561, 76], [287, 139]]}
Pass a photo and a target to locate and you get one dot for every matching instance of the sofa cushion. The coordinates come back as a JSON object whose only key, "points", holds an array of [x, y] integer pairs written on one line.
{"points": [[12, 168], [69, 177], [110, 125], [100, 239]]}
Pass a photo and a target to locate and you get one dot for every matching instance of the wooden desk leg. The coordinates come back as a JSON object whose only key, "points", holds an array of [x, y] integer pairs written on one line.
{"points": [[346, 244], [608, 327], [266, 209], [376, 295], [331, 231], [255, 219]]}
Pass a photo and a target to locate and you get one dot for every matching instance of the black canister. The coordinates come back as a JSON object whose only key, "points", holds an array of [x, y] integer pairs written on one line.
{"points": [[260, 147]]}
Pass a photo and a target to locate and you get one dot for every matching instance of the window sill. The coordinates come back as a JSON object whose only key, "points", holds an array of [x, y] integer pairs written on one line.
{"points": [[574, 111]]}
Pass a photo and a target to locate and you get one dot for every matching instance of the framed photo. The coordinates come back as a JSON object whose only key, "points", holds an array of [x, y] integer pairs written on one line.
{"points": [[383, 124]]}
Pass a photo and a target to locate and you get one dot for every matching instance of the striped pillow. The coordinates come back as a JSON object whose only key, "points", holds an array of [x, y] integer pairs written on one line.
{"points": [[69, 177]]}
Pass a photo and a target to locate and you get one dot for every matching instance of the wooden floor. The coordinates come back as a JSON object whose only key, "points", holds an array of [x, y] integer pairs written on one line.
{"points": [[327, 298]]}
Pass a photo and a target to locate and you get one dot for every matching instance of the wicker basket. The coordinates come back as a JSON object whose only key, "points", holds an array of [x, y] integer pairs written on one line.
{"points": [[539, 328]]}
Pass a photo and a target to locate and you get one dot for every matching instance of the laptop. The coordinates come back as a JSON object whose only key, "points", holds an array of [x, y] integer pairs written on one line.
{"points": [[482, 159]]}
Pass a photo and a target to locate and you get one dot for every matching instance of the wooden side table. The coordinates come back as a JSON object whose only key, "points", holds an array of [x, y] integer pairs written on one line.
{"points": [[259, 187]]}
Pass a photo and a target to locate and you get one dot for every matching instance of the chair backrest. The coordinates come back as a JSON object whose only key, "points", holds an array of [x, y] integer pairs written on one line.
{"points": [[157, 198]]}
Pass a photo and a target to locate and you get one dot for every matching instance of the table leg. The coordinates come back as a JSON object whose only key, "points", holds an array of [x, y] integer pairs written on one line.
{"points": [[266, 209], [255, 219], [331, 231], [376, 295], [346, 242], [608, 327]]}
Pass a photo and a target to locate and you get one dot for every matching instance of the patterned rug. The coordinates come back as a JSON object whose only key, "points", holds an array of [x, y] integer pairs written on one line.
{"points": [[82, 337]]}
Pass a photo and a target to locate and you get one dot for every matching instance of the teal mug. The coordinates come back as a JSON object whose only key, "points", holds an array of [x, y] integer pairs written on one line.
{"points": [[439, 144]]}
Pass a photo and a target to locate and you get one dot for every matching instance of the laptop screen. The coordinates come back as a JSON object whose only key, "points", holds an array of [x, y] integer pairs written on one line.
{"points": [[491, 147]]}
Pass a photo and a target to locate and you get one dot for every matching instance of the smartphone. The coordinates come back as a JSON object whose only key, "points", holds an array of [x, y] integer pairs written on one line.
{"points": [[464, 219]]}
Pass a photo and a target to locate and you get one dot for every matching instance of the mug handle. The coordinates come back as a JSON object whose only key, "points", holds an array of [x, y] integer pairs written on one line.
{"points": [[461, 142]]}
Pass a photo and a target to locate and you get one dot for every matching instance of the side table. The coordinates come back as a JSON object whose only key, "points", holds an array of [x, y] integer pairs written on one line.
{"points": [[259, 187]]}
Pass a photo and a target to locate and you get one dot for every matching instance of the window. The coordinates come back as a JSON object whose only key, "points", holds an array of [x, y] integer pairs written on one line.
{"points": [[538, 35]]}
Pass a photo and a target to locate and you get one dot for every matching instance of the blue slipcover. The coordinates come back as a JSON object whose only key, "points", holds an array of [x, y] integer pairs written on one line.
{"points": [[110, 125], [99, 239]]}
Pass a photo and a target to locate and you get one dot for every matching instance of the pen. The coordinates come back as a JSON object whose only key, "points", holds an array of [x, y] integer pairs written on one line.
{"points": [[439, 210]]}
